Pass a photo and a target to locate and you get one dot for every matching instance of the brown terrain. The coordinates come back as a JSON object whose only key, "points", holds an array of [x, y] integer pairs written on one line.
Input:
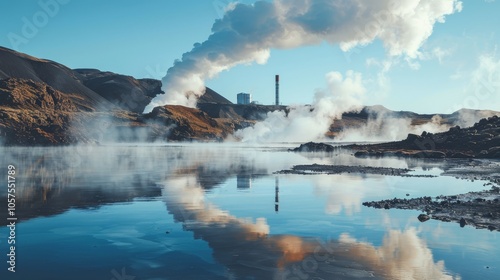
{"points": [[45, 103]]}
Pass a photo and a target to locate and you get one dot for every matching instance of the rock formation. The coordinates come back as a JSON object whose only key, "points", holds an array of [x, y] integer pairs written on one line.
{"points": [[482, 140]]}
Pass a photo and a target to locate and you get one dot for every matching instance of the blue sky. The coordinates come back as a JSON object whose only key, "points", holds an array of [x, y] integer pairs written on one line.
{"points": [[460, 65]]}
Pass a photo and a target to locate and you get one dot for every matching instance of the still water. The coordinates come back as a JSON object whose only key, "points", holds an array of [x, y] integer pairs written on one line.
{"points": [[219, 212]]}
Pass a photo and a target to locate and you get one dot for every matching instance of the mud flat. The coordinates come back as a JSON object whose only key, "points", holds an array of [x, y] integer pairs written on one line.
{"points": [[343, 169]]}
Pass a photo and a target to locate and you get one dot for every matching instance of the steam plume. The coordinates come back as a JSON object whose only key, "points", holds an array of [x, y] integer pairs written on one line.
{"points": [[306, 123], [247, 33]]}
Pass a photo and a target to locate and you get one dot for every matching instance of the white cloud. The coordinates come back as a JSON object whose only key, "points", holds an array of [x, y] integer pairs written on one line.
{"points": [[483, 90], [246, 34]]}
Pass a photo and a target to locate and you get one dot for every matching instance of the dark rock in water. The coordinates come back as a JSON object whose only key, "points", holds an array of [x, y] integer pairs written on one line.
{"points": [[387, 206], [314, 147], [423, 218], [475, 209], [362, 153], [463, 222]]}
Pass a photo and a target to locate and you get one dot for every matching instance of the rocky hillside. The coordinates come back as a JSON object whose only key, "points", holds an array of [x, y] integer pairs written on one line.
{"points": [[191, 124], [482, 140], [126, 92], [34, 112], [24, 67], [45, 103]]}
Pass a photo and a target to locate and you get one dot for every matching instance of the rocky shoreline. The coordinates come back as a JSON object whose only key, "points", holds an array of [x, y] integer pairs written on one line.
{"points": [[343, 169], [478, 209]]}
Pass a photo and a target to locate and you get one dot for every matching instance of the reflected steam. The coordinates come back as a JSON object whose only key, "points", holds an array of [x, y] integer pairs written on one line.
{"points": [[249, 249]]}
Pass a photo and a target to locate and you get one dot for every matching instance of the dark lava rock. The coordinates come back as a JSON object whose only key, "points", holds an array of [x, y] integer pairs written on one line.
{"points": [[345, 169], [476, 209], [480, 141], [314, 147], [362, 154], [459, 155], [463, 222], [423, 218]]}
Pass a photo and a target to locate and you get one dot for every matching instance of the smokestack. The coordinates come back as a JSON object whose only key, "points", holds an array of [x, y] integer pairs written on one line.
{"points": [[277, 90], [276, 195]]}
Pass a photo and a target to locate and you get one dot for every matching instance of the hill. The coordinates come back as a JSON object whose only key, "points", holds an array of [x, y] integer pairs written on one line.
{"points": [[59, 77], [43, 102]]}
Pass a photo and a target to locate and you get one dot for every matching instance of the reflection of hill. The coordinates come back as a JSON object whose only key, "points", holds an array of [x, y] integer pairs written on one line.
{"points": [[44, 189], [53, 180]]}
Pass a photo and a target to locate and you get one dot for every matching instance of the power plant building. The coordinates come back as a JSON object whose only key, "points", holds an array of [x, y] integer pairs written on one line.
{"points": [[243, 181], [244, 98]]}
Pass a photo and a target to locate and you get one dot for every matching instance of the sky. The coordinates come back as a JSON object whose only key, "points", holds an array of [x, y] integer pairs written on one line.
{"points": [[457, 66]]}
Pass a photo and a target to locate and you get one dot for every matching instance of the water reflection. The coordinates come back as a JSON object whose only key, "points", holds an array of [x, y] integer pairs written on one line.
{"points": [[276, 195], [243, 181], [54, 180], [248, 249]]}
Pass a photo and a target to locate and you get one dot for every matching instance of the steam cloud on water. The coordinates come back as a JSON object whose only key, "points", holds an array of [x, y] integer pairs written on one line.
{"points": [[247, 33]]}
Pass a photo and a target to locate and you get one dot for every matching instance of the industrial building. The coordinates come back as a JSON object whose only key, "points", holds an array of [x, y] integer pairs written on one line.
{"points": [[244, 98], [243, 181]]}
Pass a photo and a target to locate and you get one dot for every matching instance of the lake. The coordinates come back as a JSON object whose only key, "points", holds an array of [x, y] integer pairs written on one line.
{"points": [[218, 211]]}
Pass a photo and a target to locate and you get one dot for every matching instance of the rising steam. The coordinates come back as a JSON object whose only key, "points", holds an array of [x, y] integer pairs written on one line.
{"points": [[308, 123], [247, 33]]}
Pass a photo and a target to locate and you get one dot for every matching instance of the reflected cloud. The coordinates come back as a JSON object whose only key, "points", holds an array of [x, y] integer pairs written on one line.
{"points": [[403, 255], [343, 192], [248, 248]]}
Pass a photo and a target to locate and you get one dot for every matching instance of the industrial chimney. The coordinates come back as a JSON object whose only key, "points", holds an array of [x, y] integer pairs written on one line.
{"points": [[277, 90], [276, 195]]}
